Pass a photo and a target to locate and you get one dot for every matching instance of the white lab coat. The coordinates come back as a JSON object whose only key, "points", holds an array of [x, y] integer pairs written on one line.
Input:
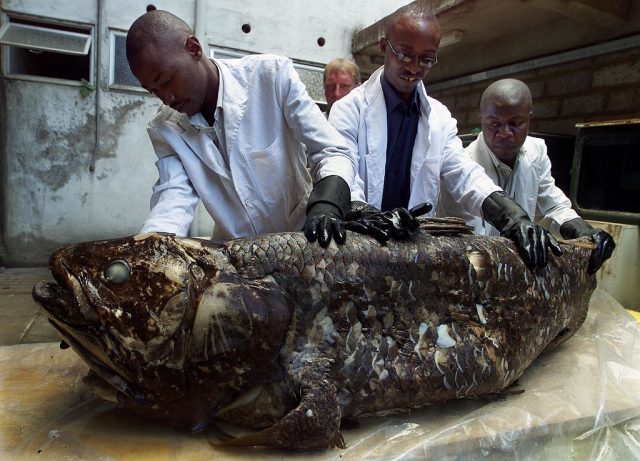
{"points": [[265, 185], [438, 156], [533, 187]]}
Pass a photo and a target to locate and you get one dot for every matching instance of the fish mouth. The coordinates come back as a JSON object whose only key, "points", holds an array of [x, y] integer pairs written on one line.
{"points": [[64, 304], [63, 309]]}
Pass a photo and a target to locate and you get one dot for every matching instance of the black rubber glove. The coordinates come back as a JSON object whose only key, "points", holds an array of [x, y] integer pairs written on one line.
{"points": [[578, 227], [328, 202], [511, 220], [398, 223]]}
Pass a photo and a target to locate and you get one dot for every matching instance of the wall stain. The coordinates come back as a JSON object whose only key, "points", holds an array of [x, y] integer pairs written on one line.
{"points": [[69, 151], [113, 121]]}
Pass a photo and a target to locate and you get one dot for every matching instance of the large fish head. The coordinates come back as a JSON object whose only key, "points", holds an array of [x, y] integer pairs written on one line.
{"points": [[125, 305]]}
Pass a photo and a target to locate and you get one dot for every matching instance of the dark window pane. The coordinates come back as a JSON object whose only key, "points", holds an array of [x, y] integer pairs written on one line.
{"points": [[610, 170], [48, 64]]}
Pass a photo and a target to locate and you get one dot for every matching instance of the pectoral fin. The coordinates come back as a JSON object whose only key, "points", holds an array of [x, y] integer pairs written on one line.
{"points": [[315, 422]]}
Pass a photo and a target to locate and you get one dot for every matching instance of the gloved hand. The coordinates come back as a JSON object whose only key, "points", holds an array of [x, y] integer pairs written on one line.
{"points": [[327, 205], [578, 227], [398, 223], [511, 220]]}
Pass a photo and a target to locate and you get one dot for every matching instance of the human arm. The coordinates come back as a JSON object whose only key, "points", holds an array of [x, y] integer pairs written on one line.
{"points": [[327, 205], [331, 164], [605, 244], [532, 240], [553, 208], [173, 200], [326, 150], [557, 214]]}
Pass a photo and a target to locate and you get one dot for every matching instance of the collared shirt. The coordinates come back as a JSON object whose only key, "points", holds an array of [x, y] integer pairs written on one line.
{"points": [[402, 127], [504, 178], [505, 173], [215, 132]]}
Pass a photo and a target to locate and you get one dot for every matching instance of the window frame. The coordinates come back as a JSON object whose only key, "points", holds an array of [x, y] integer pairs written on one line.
{"points": [[594, 131], [17, 25], [55, 24], [113, 32]]}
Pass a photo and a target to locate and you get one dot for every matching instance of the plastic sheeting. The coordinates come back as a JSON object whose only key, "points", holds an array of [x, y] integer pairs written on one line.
{"points": [[581, 401]]}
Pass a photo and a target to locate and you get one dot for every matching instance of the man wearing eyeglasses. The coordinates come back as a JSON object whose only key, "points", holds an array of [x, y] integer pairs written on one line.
{"points": [[407, 143], [520, 165]]}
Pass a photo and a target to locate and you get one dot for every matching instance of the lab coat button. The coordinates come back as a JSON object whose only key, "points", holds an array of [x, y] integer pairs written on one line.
{"points": [[247, 202]]}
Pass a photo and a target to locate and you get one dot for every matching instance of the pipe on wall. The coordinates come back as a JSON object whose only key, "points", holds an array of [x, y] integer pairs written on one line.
{"points": [[96, 147], [201, 11]]}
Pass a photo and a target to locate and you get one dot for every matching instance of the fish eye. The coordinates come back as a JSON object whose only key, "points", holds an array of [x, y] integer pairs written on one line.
{"points": [[117, 272]]}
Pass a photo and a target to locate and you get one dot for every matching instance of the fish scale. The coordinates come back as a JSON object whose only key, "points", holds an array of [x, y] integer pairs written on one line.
{"points": [[278, 334]]}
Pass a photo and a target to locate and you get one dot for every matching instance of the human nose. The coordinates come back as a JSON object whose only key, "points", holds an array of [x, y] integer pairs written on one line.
{"points": [[505, 130], [340, 91], [414, 66]]}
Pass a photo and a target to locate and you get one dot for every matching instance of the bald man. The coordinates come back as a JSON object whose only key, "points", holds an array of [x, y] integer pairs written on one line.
{"points": [[407, 145], [519, 164], [231, 133]]}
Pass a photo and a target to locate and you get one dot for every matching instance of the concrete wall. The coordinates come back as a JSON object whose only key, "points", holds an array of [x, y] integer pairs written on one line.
{"points": [[603, 87], [48, 195]]}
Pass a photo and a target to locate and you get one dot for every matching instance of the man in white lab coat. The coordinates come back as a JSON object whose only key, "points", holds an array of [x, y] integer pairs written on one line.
{"points": [[407, 143], [231, 133], [520, 165]]}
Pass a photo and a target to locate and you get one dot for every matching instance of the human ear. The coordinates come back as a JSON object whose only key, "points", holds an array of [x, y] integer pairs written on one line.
{"points": [[192, 45], [383, 45]]}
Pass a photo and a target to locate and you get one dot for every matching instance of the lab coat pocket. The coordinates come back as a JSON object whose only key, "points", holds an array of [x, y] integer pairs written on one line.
{"points": [[269, 169]]}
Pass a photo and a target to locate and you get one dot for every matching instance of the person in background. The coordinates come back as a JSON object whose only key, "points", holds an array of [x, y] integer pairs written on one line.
{"points": [[231, 133], [519, 164], [340, 77], [407, 144]]}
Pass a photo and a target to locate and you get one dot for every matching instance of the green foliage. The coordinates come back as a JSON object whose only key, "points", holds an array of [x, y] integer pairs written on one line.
{"points": [[86, 88]]}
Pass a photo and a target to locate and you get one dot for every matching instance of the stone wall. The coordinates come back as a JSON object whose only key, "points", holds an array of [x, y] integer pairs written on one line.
{"points": [[604, 87]]}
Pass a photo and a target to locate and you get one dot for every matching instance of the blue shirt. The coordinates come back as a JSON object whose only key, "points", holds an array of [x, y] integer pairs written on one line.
{"points": [[402, 127]]}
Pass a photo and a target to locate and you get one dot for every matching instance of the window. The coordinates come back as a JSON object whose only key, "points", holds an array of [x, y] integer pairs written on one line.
{"points": [[120, 74], [33, 48], [606, 172]]}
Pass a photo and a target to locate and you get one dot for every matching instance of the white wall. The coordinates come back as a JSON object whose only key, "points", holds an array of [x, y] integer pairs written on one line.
{"points": [[49, 197]]}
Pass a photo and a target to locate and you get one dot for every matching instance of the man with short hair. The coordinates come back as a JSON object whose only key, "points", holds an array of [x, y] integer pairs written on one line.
{"points": [[340, 77], [231, 133], [520, 165], [407, 144]]}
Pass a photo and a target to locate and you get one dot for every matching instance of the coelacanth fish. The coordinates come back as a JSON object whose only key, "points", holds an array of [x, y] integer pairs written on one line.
{"points": [[280, 335]]}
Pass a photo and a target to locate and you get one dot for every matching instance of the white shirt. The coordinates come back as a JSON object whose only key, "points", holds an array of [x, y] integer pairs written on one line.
{"points": [[262, 184], [437, 158], [529, 183]]}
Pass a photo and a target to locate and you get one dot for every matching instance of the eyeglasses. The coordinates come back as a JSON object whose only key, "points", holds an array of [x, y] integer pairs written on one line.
{"points": [[427, 63]]}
